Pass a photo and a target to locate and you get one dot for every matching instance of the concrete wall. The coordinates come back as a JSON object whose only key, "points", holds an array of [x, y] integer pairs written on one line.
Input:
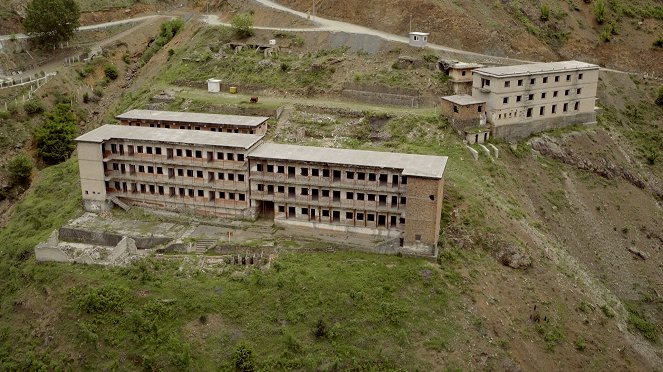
{"points": [[379, 94], [93, 187], [107, 239], [522, 130]]}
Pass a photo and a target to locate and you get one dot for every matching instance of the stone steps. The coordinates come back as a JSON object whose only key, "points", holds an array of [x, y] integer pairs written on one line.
{"points": [[201, 246], [120, 203]]}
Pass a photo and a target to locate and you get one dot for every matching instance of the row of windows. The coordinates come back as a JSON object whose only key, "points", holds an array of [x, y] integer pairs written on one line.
{"points": [[212, 129], [530, 97], [181, 172], [542, 111], [188, 153], [532, 81], [181, 191], [336, 174], [336, 215], [315, 194]]}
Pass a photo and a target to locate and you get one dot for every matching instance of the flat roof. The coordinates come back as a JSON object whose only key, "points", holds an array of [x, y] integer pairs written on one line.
{"points": [[463, 99], [193, 117], [412, 165], [420, 33], [535, 68], [463, 65], [184, 136]]}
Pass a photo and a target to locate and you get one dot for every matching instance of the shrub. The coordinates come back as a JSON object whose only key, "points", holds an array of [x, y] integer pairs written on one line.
{"points": [[320, 330], [599, 11], [33, 107], [101, 300], [659, 99], [285, 67], [242, 25], [545, 12], [55, 139], [243, 358], [111, 72], [430, 58], [98, 91], [658, 43], [20, 169], [86, 97]]}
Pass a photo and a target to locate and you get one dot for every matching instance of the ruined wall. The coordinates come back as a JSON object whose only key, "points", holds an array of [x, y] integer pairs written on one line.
{"points": [[466, 117], [107, 239]]}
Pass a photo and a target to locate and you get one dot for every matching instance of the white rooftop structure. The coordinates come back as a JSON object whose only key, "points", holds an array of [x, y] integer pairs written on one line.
{"points": [[193, 137], [535, 68], [193, 117], [412, 165], [463, 99]]}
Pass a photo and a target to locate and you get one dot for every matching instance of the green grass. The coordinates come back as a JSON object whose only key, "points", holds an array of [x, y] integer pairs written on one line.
{"points": [[377, 310], [638, 321]]}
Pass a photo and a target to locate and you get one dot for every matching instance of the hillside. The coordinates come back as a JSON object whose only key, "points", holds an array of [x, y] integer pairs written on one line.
{"points": [[535, 271], [517, 29]]}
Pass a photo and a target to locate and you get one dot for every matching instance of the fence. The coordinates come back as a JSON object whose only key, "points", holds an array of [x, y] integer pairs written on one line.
{"points": [[36, 84]]}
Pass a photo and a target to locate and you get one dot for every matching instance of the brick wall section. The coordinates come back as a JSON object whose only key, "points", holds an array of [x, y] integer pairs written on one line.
{"points": [[423, 213], [466, 117]]}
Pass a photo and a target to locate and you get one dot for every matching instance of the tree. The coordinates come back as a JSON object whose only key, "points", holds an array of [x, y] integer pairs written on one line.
{"points": [[242, 25], [20, 169], [52, 21], [55, 139]]}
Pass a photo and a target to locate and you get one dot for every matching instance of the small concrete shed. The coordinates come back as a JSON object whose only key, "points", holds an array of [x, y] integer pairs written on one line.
{"points": [[214, 85], [419, 39]]}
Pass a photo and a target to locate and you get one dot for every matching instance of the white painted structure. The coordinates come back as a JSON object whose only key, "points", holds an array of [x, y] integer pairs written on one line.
{"points": [[419, 39], [214, 85]]}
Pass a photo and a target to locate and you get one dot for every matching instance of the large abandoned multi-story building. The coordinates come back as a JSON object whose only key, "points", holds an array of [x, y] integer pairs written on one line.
{"points": [[239, 176], [195, 121], [524, 99]]}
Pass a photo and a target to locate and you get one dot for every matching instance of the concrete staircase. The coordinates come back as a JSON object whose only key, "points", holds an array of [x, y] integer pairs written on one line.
{"points": [[201, 246], [120, 203]]}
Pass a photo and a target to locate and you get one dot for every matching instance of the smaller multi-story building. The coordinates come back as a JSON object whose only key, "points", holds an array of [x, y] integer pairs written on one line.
{"points": [[460, 74], [195, 121], [171, 169], [467, 115], [524, 99]]}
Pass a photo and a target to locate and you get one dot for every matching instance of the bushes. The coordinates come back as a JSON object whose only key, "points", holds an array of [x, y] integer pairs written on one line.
{"points": [[242, 25], [545, 12], [101, 300], [658, 43], [55, 139], [20, 169], [659, 99], [599, 11], [111, 72], [33, 107], [243, 358], [167, 31]]}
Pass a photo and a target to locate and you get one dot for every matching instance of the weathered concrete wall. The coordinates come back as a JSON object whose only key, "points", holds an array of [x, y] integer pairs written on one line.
{"points": [[73, 235], [522, 130], [382, 98]]}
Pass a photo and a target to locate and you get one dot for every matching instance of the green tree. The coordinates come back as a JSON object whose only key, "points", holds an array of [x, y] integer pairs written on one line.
{"points": [[52, 21], [55, 139], [242, 25], [20, 169], [243, 358]]}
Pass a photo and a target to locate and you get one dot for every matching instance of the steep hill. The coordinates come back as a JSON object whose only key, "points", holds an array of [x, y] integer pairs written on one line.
{"points": [[528, 29]]}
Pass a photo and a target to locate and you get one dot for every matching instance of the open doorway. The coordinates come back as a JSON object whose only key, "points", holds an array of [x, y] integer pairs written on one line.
{"points": [[267, 210]]}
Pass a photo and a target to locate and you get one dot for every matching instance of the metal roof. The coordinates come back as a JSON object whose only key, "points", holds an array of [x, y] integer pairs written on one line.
{"points": [[183, 136], [535, 68], [193, 117], [463, 99], [412, 165]]}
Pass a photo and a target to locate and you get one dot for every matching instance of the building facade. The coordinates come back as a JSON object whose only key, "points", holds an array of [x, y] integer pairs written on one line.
{"points": [[172, 169], [397, 195], [234, 175], [525, 99], [460, 74], [195, 121]]}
